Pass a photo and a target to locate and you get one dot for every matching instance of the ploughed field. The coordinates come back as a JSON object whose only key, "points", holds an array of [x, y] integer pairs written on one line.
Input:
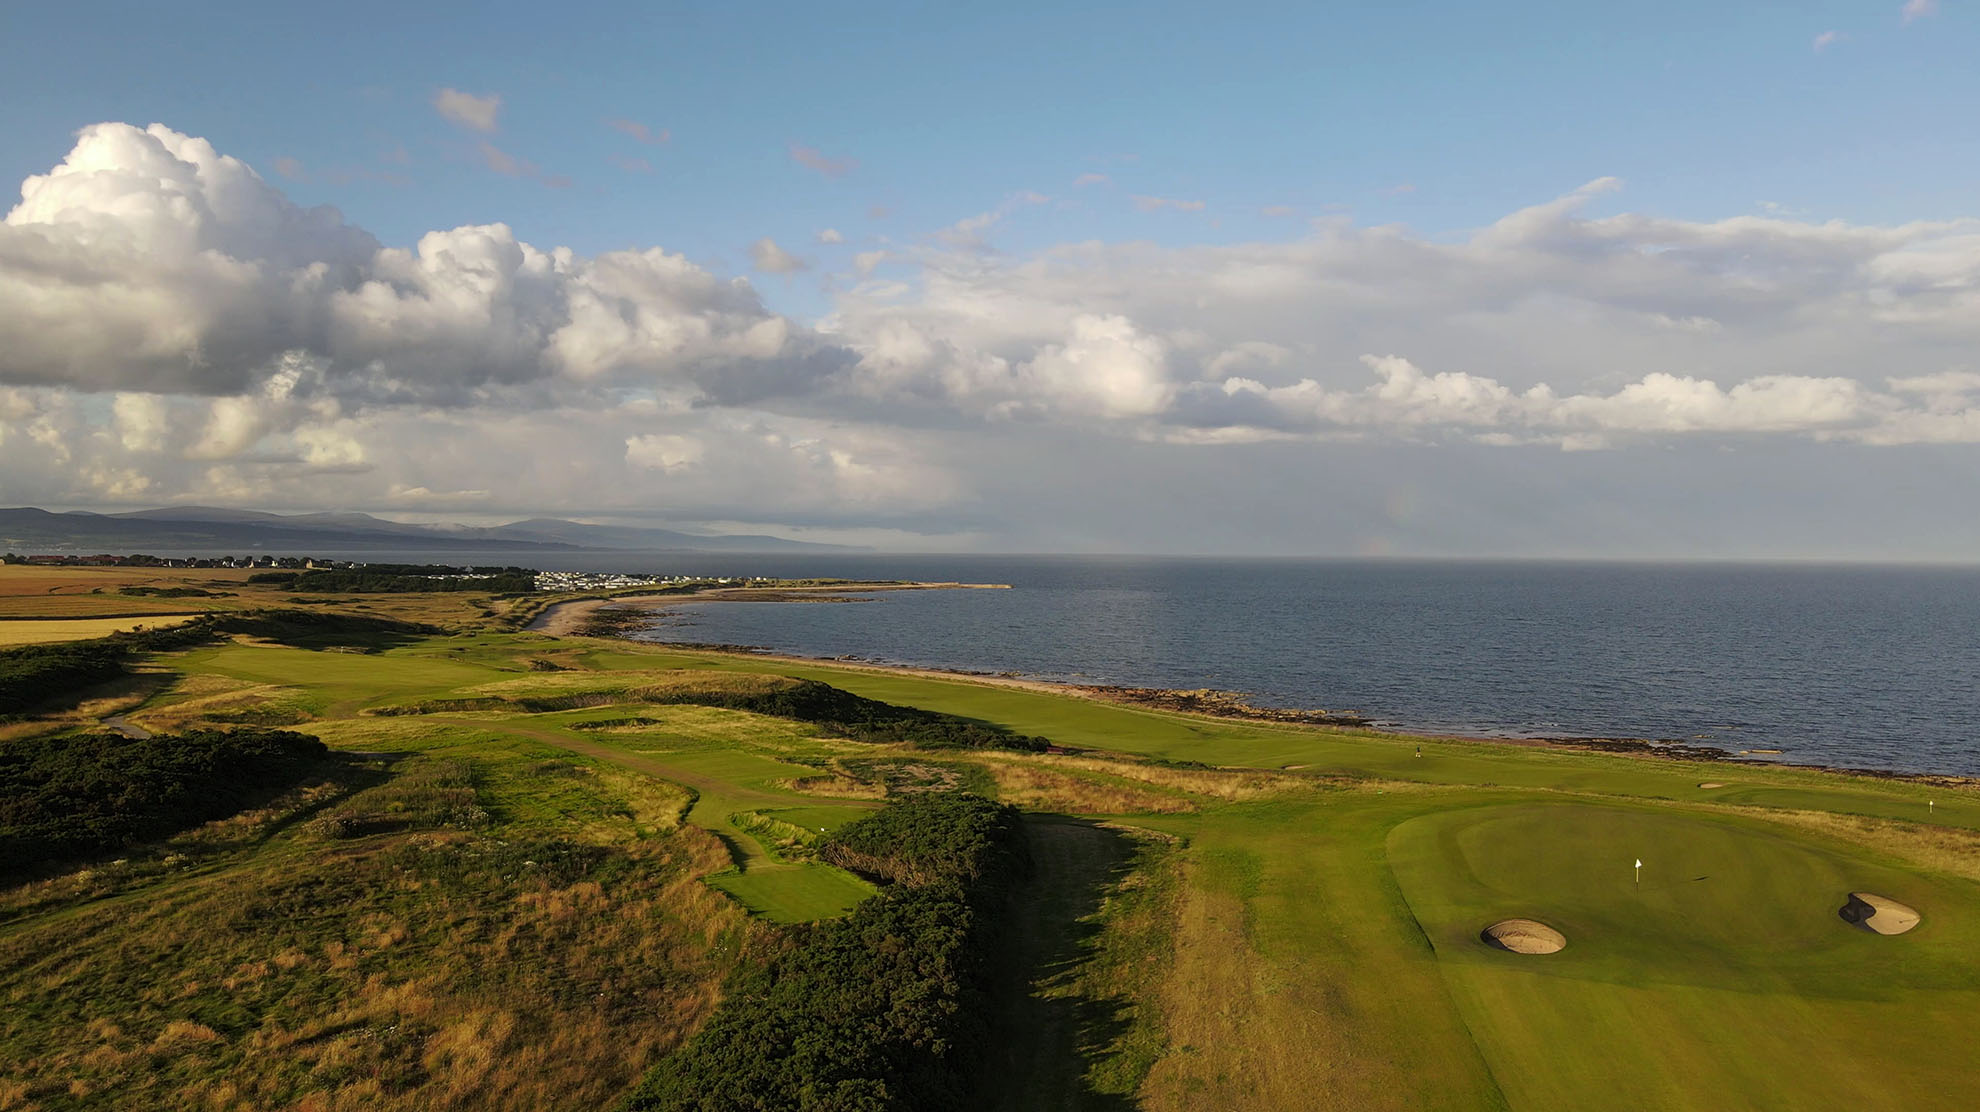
{"points": [[529, 864]]}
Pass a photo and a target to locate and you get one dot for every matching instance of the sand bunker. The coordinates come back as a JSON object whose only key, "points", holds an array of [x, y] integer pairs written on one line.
{"points": [[1523, 936], [1878, 913], [1711, 784]]}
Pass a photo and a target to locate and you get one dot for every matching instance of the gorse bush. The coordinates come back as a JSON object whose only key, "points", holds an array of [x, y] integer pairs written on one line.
{"points": [[65, 799], [860, 718], [879, 1010]]}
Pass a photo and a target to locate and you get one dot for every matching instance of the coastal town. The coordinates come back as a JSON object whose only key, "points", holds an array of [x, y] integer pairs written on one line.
{"points": [[548, 581]]}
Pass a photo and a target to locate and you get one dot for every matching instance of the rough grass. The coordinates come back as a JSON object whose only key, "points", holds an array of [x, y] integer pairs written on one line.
{"points": [[467, 957]]}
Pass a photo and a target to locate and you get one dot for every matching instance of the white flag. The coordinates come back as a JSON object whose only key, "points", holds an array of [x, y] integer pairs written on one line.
{"points": [[1639, 862]]}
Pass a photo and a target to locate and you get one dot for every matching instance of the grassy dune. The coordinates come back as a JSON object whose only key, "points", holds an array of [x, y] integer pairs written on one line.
{"points": [[1270, 916]]}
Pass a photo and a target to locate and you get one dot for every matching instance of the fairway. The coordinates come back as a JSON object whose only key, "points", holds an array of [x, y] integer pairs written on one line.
{"points": [[1726, 980]]}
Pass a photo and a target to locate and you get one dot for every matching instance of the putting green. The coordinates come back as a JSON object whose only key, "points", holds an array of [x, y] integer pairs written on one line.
{"points": [[795, 893], [1726, 980]]}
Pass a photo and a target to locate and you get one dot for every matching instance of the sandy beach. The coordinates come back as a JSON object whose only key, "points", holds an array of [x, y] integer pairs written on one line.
{"points": [[565, 619]]}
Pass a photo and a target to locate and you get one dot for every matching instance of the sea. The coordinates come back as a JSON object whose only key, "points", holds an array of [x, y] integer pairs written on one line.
{"points": [[1841, 665]]}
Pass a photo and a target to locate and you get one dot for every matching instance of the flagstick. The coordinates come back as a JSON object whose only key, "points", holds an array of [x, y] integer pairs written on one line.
{"points": [[1639, 874]]}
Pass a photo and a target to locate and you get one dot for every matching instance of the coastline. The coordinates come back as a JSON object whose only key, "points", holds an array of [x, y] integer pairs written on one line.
{"points": [[1200, 702], [565, 619]]}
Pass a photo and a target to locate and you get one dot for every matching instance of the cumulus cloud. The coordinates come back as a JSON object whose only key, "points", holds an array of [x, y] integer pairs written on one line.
{"points": [[476, 113], [639, 131], [147, 261], [173, 327], [1548, 325], [1827, 39], [811, 158], [1918, 9], [1090, 179], [830, 236], [769, 258]]}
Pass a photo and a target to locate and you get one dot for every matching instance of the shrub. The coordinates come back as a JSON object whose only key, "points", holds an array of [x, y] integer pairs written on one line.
{"points": [[63, 799], [879, 1010]]}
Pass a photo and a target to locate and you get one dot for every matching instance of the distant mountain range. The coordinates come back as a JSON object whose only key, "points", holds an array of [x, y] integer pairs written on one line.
{"points": [[181, 528]]}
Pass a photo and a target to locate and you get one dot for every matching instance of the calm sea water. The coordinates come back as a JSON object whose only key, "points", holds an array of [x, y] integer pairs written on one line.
{"points": [[1860, 666]]}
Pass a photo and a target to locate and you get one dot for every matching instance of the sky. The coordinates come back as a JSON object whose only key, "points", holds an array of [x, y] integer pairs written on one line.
{"points": [[1688, 280]]}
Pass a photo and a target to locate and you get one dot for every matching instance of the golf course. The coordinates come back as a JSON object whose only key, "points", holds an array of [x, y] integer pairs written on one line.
{"points": [[531, 863]]}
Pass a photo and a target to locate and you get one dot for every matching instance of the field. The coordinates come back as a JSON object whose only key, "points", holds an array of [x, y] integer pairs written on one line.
{"points": [[32, 631], [1222, 913]]}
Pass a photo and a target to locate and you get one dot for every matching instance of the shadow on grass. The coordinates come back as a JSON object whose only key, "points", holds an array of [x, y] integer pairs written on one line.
{"points": [[1043, 1031], [320, 631]]}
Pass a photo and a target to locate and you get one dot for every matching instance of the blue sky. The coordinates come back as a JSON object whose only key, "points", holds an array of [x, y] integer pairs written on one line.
{"points": [[1442, 116], [1333, 276]]}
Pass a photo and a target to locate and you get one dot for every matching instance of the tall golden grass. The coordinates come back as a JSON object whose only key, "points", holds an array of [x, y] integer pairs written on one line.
{"points": [[424, 969]]}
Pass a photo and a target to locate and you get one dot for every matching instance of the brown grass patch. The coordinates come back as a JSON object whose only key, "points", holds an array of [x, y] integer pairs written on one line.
{"points": [[39, 631], [1943, 849], [1040, 787], [845, 787]]}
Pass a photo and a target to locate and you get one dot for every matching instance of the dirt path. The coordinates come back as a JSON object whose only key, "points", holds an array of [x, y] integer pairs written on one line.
{"points": [[1039, 1024], [126, 727]]}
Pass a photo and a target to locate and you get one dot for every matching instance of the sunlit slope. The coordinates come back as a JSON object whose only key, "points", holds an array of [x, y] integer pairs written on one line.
{"points": [[1727, 980]]}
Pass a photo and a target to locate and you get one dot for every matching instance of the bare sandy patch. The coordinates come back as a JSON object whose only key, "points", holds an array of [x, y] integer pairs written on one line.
{"points": [[1878, 914], [1524, 936]]}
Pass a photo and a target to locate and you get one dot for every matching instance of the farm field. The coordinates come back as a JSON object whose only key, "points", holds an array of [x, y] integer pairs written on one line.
{"points": [[40, 631], [1222, 914], [112, 592]]}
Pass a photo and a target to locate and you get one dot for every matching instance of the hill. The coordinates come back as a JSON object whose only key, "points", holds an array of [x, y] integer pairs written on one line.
{"points": [[208, 527]]}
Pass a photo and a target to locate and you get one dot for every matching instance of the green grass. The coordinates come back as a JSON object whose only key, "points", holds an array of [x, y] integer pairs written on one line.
{"points": [[1727, 980], [1314, 943], [1075, 721], [795, 893]]}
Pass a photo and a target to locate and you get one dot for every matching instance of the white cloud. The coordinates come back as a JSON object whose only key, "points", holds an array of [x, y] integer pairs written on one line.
{"points": [[1918, 9], [173, 328], [1546, 326], [831, 236], [1157, 204], [663, 452], [968, 233], [769, 258], [1827, 39], [1090, 179], [290, 168], [148, 261], [812, 158], [500, 161], [476, 113], [640, 132]]}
